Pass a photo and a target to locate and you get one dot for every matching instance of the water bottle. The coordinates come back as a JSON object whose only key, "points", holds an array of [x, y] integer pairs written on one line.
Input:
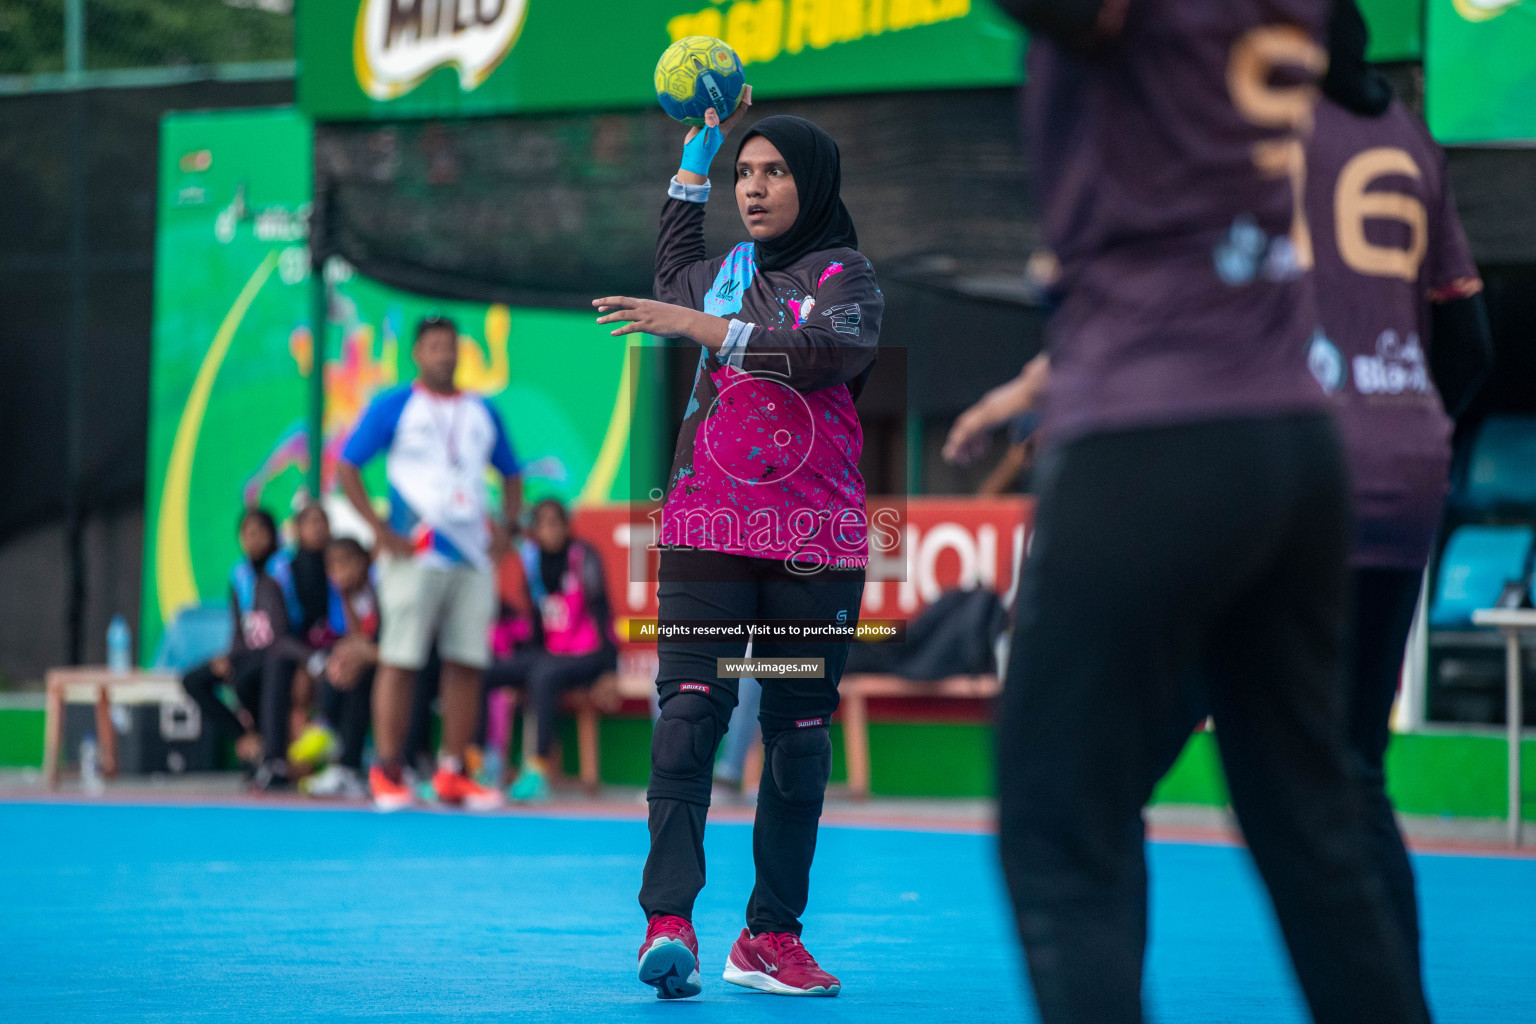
{"points": [[119, 647], [90, 767]]}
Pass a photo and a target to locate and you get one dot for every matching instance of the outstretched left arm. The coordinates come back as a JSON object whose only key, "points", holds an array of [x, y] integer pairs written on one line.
{"points": [[834, 344], [662, 319]]}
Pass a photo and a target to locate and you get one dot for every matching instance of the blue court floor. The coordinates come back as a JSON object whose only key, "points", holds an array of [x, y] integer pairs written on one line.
{"points": [[134, 914]]}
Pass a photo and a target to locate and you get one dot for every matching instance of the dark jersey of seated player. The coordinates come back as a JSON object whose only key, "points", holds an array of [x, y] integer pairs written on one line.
{"points": [[1170, 161], [767, 458], [1389, 245]]}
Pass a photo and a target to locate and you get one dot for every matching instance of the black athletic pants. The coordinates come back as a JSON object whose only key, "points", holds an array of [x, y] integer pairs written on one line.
{"points": [[795, 715], [542, 677], [350, 712], [263, 684], [1166, 561], [1385, 600]]}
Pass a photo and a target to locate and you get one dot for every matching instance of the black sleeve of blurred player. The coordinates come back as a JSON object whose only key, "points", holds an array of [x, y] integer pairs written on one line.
{"points": [[1075, 22], [1460, 350]]}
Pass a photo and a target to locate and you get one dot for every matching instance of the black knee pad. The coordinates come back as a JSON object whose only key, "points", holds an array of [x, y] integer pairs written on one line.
{"points": [[801, 763], [683, 747]]}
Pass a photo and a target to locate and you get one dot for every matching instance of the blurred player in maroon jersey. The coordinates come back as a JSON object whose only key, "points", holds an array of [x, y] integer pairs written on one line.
{"points": [[1194, 504], [1401, 311]]}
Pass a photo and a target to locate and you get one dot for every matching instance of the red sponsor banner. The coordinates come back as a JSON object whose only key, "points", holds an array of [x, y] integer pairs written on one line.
{"points": [[938, 544]]}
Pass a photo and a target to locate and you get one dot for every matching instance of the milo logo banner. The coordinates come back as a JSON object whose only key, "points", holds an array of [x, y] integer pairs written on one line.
{"points": [[400, 42], [1480, 69], [363, 59]]}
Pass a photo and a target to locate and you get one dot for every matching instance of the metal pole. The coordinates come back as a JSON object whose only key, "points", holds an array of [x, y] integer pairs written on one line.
{"points": [[1515, 718], [79, 296], [319, 314], [74, 38], [1409, 716], [914, 453]]}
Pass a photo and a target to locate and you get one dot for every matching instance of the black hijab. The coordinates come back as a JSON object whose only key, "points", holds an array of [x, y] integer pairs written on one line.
{"points": [[1351, 82], [813, 160]]}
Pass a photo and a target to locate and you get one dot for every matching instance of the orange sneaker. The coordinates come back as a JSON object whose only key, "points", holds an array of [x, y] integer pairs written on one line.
{"points": [[459, 790], [387, 794]]}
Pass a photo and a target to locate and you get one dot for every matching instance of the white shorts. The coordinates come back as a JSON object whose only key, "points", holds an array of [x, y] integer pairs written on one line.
{"points": [[419, 603]]}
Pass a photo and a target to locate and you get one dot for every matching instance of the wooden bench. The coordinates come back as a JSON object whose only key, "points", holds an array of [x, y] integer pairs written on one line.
{"points": [[858, 690], [104, 688], [587, 707]]}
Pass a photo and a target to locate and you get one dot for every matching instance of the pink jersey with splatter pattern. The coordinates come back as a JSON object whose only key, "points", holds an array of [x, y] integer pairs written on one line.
{"points": [[767, 459]]}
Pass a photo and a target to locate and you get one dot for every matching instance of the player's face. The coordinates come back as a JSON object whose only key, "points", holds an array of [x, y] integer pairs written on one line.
{"points": [[314, 529], [256, 541], [550, 530], [346, 571], [765, 190], [437, 357]]}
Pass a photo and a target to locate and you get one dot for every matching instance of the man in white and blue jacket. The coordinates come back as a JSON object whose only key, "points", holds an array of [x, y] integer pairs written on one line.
{"points": [[436, 552]]}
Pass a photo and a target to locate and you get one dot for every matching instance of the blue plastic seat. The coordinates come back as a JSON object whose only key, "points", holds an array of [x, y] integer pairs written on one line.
{"points": [[1501, 471], [1477, 563], [197, 634]]}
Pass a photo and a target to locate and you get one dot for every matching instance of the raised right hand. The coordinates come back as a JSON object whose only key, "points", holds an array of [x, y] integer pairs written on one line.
{"points": [[712, 117], [699, 152]]}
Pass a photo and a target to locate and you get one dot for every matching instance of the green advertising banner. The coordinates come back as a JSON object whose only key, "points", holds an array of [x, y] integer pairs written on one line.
{"points": [[1397, 28], [1480, 70], [363, 59], [381, 59], [232, 350], [233, 354]]}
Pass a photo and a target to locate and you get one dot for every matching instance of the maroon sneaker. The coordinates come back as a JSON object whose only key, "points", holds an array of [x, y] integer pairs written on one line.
{"points": [[669, 958], [776, 962]]}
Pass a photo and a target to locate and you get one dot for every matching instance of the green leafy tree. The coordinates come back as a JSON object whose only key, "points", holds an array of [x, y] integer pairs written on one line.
{"points": [[31, 36], [146, 33]]}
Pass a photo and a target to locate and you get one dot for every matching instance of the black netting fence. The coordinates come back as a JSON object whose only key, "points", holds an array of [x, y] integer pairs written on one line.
{"points": [[111, 288], [559, 206]]}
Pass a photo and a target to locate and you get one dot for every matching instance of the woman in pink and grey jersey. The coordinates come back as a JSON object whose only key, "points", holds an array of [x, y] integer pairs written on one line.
{"points": [[764, 519]]}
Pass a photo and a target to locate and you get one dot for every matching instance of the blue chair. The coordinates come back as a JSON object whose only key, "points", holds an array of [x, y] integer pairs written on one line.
{"points": [[1501, 470], [198, 633], [1477, 563]]}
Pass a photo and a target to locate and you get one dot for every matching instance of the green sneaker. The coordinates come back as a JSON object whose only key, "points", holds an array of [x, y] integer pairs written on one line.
{"points": [[531, 787]]}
